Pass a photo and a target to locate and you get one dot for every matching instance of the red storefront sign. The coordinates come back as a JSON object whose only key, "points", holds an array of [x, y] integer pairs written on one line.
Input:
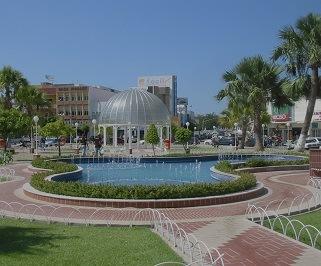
{"points": [[281, 118]]}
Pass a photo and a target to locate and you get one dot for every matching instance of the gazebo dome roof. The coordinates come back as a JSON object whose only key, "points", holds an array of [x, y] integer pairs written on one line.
{"points": [[135, 106]]}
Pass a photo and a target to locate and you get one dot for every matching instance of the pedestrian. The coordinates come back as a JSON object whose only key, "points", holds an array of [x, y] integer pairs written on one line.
{"points": [[43, 143], [98, 144]]}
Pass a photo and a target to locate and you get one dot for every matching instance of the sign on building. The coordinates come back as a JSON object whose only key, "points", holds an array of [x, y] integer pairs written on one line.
{"points": [[281, 114]]}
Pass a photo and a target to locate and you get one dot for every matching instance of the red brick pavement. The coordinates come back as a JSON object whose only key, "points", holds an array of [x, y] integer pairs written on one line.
{"points": [[260, 247], [254, 246]]}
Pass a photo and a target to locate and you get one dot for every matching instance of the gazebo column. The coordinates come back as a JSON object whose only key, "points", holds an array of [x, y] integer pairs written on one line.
{"points": [[145, 133], [105, 135], [115, 136], [167, 132], [125, 135], [130, 139], [138, 136]]}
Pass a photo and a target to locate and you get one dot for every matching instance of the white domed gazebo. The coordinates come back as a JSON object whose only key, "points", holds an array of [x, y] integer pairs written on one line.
{"points": [[134, 110]]}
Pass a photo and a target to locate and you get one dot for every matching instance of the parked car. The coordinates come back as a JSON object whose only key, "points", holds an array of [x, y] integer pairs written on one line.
{"points": [[208, 142], [228, 141], [194, 140], [312, 143], [51, 142]]}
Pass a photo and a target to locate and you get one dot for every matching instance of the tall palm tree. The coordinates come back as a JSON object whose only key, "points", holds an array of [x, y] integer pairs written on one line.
{"points": [[30, 99], [238, 111], [11, 81], [259, 82], [300, 49]]}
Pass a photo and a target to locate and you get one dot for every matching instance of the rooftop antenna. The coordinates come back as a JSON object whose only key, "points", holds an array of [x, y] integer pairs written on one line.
{"points": [[49, 78]]}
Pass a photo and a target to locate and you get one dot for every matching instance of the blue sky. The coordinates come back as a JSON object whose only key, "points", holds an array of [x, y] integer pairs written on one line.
{"points": [[113, 42]]}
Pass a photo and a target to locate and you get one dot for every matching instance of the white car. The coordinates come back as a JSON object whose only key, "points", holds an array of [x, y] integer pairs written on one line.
{"points": [[208, 142], [312, 143]]}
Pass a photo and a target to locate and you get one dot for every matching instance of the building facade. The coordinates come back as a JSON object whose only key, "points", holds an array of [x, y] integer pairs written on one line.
{"points": [[164, 87], [182, 109], [76, 102], [288, 120]]}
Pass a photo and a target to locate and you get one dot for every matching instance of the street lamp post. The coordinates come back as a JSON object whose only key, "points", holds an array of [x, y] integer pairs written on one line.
{"points": [[288, 124], [235, 125], [76, 125], [187, 125], [36, 120], [194, 136], [263, 126], [94, 121]]}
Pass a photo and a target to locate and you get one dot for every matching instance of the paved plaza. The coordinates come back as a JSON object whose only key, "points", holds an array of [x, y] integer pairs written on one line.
{"points": [[224, 227]]}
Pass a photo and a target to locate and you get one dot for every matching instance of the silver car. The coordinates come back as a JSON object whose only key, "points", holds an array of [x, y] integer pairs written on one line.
{"points": [[312, 143]]}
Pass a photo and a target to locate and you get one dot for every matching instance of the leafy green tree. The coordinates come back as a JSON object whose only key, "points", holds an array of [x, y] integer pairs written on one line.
{"points": [[13, 123], [11, 81], [152, 136], [259, 82], [84, 129], [206, 121], [300, 50], [182, 136], [57, 129]]}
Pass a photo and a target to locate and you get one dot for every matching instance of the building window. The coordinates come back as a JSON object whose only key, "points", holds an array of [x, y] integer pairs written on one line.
{"points": [[79, 112], [67, 113], [73, 112], [85, 112], [60, 98], [73, 98], [86, 98], [79, 98], [66, 98]]}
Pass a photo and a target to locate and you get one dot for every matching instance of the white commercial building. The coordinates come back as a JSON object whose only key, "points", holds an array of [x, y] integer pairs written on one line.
{"points": [[287, 121], [164, 87]]}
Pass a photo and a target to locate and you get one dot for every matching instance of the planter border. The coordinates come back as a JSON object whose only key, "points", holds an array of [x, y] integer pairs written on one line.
{"points": [[258, 191]]}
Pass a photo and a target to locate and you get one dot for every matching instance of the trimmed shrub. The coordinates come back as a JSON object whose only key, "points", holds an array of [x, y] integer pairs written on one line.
{"points": [[56, 167], [224, 166], [258, 162], [164, 191]]}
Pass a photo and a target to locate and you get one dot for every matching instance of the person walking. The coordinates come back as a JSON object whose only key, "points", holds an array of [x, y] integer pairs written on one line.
{"points": [[98, 144]]}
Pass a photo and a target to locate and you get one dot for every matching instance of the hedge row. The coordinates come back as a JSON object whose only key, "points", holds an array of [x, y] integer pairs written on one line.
{"points": [[165, 191], [227, 167], [259, 162], [56, 167]]}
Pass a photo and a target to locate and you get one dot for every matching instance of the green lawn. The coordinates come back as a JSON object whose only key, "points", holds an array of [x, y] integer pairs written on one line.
{"points": [[26, 243], [312, 218]]}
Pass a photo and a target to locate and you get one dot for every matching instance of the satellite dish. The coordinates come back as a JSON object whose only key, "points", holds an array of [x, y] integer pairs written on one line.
{"points": [[49, 78]]}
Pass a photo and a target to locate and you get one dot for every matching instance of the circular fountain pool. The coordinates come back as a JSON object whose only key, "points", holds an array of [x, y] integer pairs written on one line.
{"points": [[133, 171]]}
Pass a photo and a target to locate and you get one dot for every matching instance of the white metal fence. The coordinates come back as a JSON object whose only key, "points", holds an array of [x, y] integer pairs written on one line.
{"points": [[275, 215], [6, 174]]}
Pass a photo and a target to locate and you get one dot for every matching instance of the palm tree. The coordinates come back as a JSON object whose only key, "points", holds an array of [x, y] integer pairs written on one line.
{"points": [[259, 82], [11, 81], [238, 111], [30, 99], [300, 49]]}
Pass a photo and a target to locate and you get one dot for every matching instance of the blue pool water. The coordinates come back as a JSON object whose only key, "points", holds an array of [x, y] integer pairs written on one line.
{"points": [[131, 171], [149, 173]]}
